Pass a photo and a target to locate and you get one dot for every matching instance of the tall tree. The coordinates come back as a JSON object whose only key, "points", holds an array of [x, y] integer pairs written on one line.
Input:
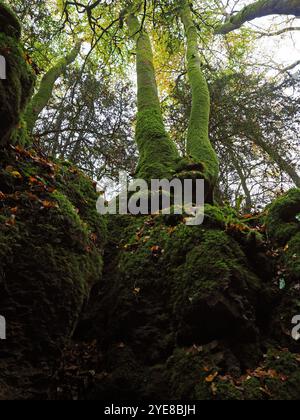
{"points": [[158, 154], [44, 93], [198, 144]]}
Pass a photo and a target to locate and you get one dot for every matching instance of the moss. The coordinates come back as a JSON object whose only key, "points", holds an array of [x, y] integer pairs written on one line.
{"points": [[158, 154], [79, 189], [292, 256], [215, 264], [199, 147], [282, 217], [9, 23], [50, 251], [16, 90], [186, 376], [226, 391], [283, 227], [285, 385], [253, 390]]}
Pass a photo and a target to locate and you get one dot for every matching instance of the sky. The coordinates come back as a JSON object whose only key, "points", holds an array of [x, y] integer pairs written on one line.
{"points": [[283, 50]]}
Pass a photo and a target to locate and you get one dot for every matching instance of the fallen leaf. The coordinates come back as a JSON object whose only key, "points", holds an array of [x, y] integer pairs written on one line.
{"points": [[2, 196], [9, 168], [32, 197], [16, 174], [33, 180], [156, 250], [247, 216], [49, 204], [11, 221], [214, 389], [94, 237], [211, 378], [136, 291], [121, 346]]}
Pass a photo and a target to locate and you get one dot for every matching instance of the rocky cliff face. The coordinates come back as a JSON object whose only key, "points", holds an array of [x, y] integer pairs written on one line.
{"points": [[16, 90], [51, 240], [191, 312], [175, 312]]}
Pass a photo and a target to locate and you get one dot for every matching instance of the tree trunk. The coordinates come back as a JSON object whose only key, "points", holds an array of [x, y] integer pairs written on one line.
{"points": [[259, 9], [42, 97], [280, 160], [199, 147], [243, 178], [158, 154]]}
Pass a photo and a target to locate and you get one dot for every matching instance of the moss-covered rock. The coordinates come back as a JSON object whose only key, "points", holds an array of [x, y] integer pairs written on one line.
{"points": [[184, 313], [17, 88], [283, 229], [180, 299], [9, 23], [283, 217], [51, 246]]}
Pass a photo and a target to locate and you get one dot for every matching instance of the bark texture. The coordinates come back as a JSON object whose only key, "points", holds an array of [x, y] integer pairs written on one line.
{"points": [[259, 9]]}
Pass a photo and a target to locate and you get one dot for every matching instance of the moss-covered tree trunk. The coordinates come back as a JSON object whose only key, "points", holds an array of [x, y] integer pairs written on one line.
{"points": [[43, 95], [158, 154], [259, 9], [199, 147]]}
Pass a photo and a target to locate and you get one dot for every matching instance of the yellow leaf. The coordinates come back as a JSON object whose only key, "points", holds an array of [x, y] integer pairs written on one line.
{"points": [[16, 174], [211, 377]]}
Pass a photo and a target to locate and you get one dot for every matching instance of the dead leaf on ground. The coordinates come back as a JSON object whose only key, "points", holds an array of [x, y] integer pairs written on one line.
{"points": [[211, 378]]}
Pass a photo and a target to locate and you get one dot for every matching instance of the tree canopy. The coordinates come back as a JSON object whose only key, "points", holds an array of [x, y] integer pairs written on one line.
{"points": [[233, 115]]}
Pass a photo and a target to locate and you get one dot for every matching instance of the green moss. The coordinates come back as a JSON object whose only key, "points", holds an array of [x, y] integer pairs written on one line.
{"points": [[16, 90], [286, 386], [283, 220], [50, 249], [186, 376], [283, 227], [199, 147], [158, 154], [9, 23], [253, 390], [79, 189], [226, 391]]}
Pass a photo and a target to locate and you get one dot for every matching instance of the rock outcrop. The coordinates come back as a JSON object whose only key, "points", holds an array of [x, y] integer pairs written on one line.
{"points": [[17, 88]]}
